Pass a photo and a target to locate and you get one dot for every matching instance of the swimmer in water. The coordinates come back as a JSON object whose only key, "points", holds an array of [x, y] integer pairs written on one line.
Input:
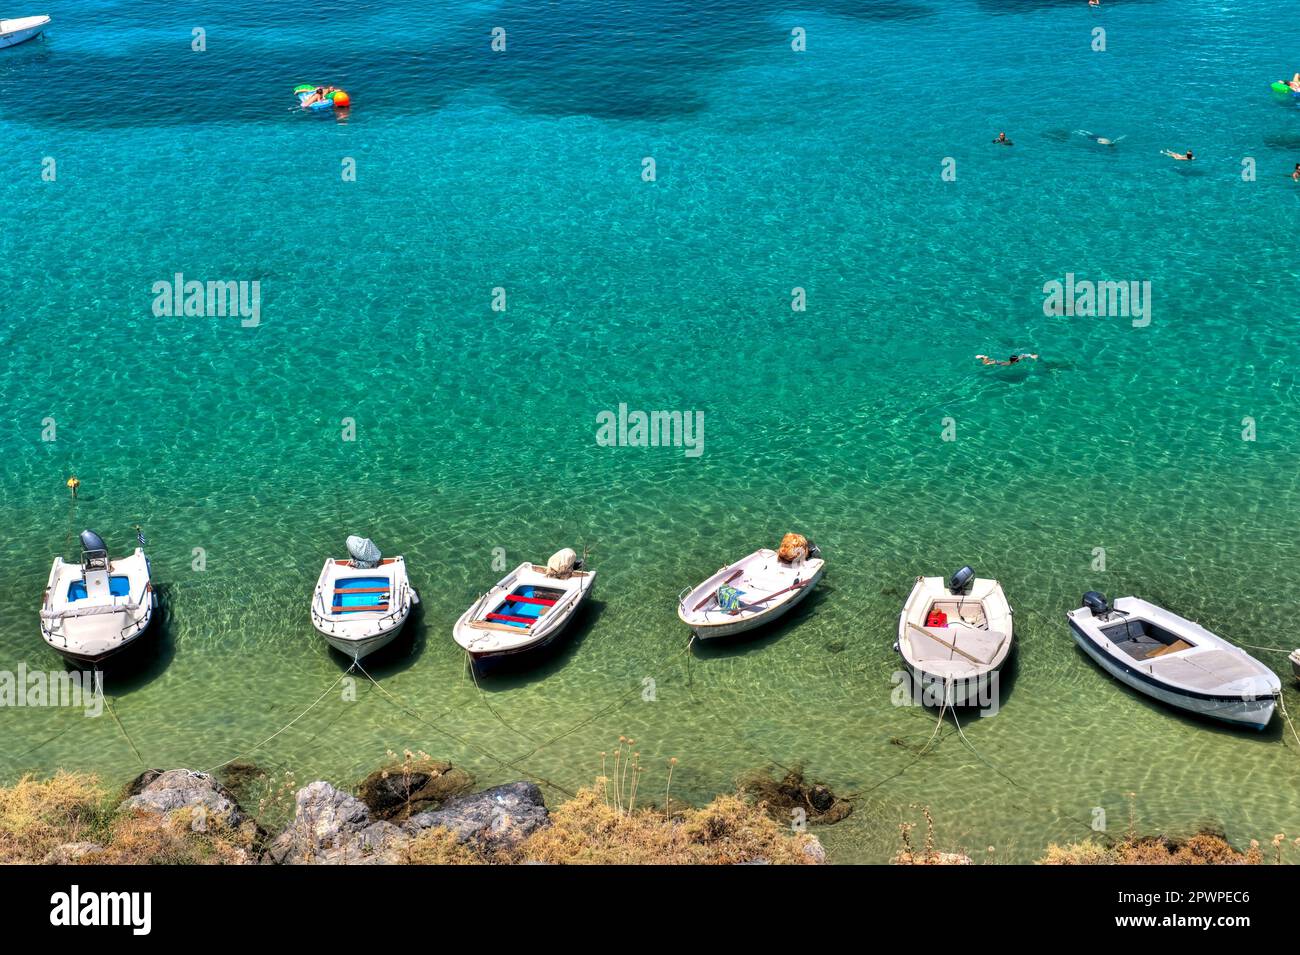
{"points": [[1094, 3], [1294, 83], [1010, 361], [1185, 157], [1003, 141], [1296, 175]]}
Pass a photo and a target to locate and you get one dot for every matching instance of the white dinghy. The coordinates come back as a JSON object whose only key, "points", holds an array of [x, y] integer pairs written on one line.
{"points": [[754, 590], [98, 607], [13, 32], [360, 604], [955, 637], [527, 609], [1175, 660]]}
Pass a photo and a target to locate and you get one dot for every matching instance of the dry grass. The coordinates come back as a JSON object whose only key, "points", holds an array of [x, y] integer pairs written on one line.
{"points": [[1204, 848], [588, 830], [36, 816], [141, 838], [439, 847]]}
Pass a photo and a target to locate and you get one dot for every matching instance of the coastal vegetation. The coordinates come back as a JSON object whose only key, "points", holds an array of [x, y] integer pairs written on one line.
{"points": [[184, 817]]}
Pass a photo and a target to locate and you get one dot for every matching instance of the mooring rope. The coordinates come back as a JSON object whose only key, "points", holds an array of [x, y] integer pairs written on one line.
{"points": [[460, 739], [469, 664], [130, 742], [313, 706]]}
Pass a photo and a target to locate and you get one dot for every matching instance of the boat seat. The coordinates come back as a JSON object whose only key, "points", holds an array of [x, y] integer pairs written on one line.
{"points": [[982, 645]]}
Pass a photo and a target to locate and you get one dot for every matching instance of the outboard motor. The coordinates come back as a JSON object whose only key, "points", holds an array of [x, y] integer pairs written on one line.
{"points": [[813, 550], [962, 580], [94, 552], [363, 551], [1097, 603]]}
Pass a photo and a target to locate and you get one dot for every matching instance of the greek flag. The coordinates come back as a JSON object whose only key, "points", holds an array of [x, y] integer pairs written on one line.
{"points": [[139, 535]]}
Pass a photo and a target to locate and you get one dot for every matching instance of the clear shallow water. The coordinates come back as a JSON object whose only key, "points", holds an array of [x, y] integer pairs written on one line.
{"points": [[476, 429]]}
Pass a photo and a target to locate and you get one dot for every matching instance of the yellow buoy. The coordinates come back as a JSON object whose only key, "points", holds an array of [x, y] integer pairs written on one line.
{"points": [[73, 484]]}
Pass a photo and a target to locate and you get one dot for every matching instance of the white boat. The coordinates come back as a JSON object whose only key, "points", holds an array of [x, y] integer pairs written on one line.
{"points": [[1295, 663], [1175, 660], [754, 590], [955, 637], [360, 604], [13, 32], [527, 609], [98, 607]]}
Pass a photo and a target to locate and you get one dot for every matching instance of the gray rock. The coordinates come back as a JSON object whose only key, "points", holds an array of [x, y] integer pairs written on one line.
{"points": [[332, 828], [165, 792], [814, 851], [70, 853], [498, 818]]}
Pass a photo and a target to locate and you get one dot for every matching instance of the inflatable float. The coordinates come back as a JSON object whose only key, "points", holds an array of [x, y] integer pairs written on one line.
{"points": [[336, 100], [1280, 86]]}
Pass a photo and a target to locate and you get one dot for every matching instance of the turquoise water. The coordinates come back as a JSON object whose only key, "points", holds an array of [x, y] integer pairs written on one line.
{"points": [[475, 428]]}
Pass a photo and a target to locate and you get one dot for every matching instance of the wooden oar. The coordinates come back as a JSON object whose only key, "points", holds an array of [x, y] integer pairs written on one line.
{"points": [[950, 646], [754, 603], [734, 574]]}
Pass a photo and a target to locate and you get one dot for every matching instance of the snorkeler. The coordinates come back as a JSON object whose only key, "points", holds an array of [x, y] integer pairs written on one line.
{"points": [[1185, 157], [1010, 361], [1003, 141]]}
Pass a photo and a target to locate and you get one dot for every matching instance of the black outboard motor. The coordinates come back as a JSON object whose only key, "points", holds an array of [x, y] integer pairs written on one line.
{"points": [[962, 580], [1097, 603], [94, 552], [813, 550]]}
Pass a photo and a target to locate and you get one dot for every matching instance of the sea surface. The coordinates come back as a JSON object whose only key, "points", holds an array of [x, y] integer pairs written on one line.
{"points": [[1117, 461]]}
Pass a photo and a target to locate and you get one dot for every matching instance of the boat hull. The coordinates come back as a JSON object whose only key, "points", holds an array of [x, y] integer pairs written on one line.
{"points": [[1237, 710], [22, 33], [94, 660], [464, 634], [978, 691], [357, 636], [729, 626], [359, 647]]}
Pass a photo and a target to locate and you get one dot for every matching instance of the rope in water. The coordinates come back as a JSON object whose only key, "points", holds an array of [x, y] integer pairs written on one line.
{"points": [[130, 742], [469, 664], [460, 739], [313, 706]]}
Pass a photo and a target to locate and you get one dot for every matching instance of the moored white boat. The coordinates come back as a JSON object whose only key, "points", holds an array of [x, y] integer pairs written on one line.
{"points": [[1295, 663], [1174, 660], [955, 637], [13, 32], [360, 604], [98, 607], [527, 609], [753, 591]]}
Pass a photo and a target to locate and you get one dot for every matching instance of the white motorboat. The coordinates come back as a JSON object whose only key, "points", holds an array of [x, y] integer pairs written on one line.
{"points": [[1178, 662], [754, 590], [955, 637], [98, 607], [360, 604], [1295, 663], [527, 609], [13, 32]]}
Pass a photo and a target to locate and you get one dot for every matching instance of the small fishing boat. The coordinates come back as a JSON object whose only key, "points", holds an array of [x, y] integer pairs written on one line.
{"points": [[527, 609], [1175, 660], [1295, 663], [98, 607], [360, 604], [754, 590], [955, 637], [13, 32]]}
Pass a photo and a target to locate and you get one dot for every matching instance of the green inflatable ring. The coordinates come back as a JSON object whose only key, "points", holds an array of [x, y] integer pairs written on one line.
{"points": [[1280, 87]]}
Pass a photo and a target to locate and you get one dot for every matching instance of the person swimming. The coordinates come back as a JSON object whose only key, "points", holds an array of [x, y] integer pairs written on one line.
{"points": [[1294, 83], [1296, 175], [1010, 361], [1185, 157], [1003, 141]]}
